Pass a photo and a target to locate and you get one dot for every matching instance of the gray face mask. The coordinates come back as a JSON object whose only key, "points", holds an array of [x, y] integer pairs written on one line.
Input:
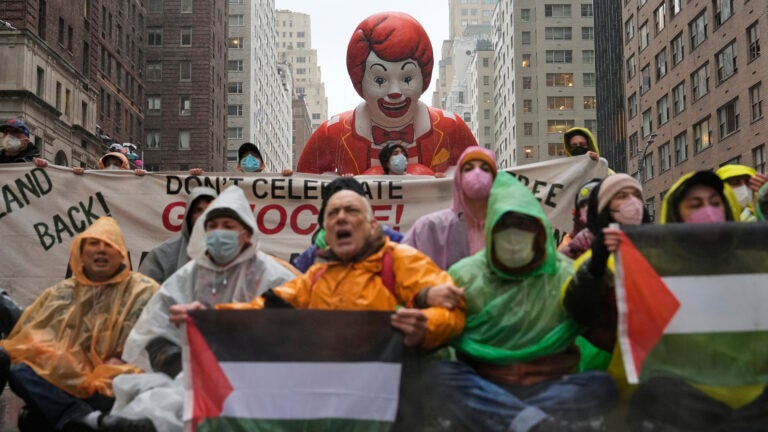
{"points": [[11, 143], [398, 163]]}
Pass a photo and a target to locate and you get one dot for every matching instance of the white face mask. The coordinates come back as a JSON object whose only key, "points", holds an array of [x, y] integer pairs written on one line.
{"points": [[11, 143], [513, 247], [112, 168], [743, 194]]}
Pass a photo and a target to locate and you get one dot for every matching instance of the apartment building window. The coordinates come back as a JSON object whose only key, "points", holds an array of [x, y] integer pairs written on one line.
{"points": [[235, 65], [235, 88], [753, 42], [557, 10], [525, 38], [155, 36], [726, 62], [526, 61], [661, 64], [486, 114], [590, 102], [528, 151], [629, 29], [728, 118], [588, 56], [633, 147], [186, 6], [235, 133], [631, 67], [527, 83], [755, 102], [153, 140], [641, 3], [723, 10], [559, 103], [40, 82], [528, 129], [681, 147], [185, 105], [527, 105], [486, 62], [58, 95], [587, 33], [647, 124], [587, 10], [645, 74], [559, 80], [235, 43], [235, 110], [558, 33], [559, 56], [486, 80], [154, 71], [185, 138], [186, 36], [698, 30], [155, 6], [301, 59], [702, 135], [632, 105], [185, 71], [678, 49], [700, 82], [648, 167], [236, 20], [665, 157], [588, 79], [555, 149], [662, 110], [591, 125], [678, 98], [758, 158], [660, 17], [154, 104], [559, 126], [650, 207], [644, 36], [675, 6]]}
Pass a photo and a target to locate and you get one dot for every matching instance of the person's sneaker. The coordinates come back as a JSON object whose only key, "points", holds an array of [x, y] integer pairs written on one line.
{"points": [[110, 423]]}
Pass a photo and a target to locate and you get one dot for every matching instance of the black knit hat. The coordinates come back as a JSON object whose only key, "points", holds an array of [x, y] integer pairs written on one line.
{"points": [[386, 153], [227, 212], [338, 184], [246, 148]]}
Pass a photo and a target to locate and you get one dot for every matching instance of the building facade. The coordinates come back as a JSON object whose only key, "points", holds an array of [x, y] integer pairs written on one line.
{"points": [[302, 127], [186, 84], [545, 77], [694, 88]]}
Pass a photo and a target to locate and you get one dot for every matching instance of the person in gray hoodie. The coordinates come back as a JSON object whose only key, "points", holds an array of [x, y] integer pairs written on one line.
{"points": [[171, 255]]}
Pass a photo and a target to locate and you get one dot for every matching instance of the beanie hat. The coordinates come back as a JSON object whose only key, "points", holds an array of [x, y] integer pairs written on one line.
{"points": [[338, 184], [582, 196], [477, 153], [220, 212], [612, 185]]}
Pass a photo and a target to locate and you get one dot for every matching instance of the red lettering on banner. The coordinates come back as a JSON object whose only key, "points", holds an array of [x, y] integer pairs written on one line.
{"points": [[295, 219], [261, 216], [387, 217], [172, 225]]}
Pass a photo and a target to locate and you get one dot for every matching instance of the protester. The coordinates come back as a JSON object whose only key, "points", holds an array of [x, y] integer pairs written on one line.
{"points": [[762, 203], [307, 258], [249, 159], [16, 146], [517, 368], [579, 141], [745, 182], [171, 255], [700, 197], [68, 345], [232, 269], [449, 235], [579, 214], [393, 159]]}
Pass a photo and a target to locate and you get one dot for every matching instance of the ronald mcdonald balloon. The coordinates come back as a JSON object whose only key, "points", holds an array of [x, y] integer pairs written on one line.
{"points": [[389, 60]]}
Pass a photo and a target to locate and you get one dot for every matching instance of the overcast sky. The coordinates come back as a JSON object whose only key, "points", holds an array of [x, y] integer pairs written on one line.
{"points": [[332, 24]]}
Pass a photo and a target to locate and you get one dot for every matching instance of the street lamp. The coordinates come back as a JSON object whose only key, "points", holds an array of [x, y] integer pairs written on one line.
{"points": [[641, 162]]}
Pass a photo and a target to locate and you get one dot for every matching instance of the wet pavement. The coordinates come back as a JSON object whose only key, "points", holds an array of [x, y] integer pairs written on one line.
{"points": [[10, 405]]}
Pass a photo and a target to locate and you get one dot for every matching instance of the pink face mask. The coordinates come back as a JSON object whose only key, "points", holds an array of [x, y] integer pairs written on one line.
{"points": [[706, 214], [630, 212], [476, 184]]}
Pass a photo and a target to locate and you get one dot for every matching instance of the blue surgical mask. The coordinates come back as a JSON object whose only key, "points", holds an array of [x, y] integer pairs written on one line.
{"points": [[398, 163], [250, 163], [223, 245]]}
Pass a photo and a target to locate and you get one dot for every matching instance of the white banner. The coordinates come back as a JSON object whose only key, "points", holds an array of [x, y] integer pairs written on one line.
{"points": [[44, 208]]}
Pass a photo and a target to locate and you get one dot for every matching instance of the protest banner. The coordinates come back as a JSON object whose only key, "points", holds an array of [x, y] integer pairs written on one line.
{"points": [[42, 209]]}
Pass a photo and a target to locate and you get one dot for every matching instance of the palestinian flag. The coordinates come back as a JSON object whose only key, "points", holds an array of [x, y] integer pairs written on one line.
{"points": [[286, 370], [693, 302]]}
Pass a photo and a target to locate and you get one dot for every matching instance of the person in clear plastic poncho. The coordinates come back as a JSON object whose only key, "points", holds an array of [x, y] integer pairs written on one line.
{"points": [[226, 267], [68, 345]]}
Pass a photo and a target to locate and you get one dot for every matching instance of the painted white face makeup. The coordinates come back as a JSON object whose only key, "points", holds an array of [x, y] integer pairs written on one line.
{"points": [[392, 90]]}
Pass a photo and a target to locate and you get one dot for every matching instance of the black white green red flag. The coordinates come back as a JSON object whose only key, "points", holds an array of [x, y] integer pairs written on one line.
{"points": [[287, 370], [693, 302]]}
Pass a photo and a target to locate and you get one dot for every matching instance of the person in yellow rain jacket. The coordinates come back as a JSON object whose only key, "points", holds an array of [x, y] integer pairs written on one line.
{"points": [[67, 346]]}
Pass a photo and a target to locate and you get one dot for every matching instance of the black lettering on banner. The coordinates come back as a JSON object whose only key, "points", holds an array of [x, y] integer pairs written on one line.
{"points": [[17, 193], [278, 185], [553, 194], [256, 193], [393, 187], [535, 188], [74, 220]]}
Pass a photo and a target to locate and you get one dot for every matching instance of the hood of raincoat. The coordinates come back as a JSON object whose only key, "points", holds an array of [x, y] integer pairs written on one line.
{"points": [[591, 141], [105, 229], [198, 192], [124, 165], [669, 213], [732, 170], [471, 153], [509, 195], [232, 198]]}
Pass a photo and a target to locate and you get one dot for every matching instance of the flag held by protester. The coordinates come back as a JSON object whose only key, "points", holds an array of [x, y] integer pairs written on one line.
{"points": [[285, 370], [693, 302]]}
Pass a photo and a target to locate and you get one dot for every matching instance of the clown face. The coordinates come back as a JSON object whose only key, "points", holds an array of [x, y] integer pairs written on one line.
{"points": [[392, 90]]}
